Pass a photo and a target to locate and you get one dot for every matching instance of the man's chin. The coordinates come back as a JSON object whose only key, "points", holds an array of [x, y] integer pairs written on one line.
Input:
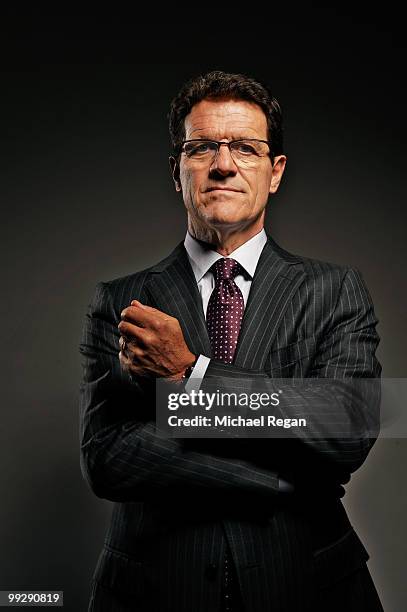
{"points": [[223, 212], [224, 221]]}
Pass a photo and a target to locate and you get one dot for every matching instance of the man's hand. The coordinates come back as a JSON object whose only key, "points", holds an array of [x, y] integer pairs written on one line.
{"points": [[152, 343]]}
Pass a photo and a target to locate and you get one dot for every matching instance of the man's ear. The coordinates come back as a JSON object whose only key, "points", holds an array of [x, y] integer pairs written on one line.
{"points": [[278, 170], [174, 165]]}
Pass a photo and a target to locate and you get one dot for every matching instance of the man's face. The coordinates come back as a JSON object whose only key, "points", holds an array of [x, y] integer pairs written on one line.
{"points": [[220, 193]]}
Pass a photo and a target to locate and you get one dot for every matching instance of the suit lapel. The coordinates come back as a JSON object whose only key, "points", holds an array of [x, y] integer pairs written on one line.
{"points": [[172, 288], [278, 275]]}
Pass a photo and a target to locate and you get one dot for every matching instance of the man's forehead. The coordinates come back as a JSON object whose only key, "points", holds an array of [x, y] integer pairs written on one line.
{"points": [[211, 118]]}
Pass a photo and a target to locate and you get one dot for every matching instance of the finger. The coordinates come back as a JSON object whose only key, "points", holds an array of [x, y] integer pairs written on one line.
{"points": [[140, 305], [141, 316], [130, 365], [132, 333], [148, 317], [122, 344], [133, 314], [150, 309], [124, 361], [134, 354]]}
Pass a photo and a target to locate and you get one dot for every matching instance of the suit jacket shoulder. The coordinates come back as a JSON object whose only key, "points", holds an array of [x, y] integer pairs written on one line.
{"points": [[312, 267], [123, 289]]}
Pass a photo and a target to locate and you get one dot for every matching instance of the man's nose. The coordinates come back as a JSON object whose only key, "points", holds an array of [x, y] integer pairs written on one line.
{"points": [[223, 162]]}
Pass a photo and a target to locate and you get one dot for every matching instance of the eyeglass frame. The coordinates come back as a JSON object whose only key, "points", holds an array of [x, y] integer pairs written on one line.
{"points": [[219, 143]]}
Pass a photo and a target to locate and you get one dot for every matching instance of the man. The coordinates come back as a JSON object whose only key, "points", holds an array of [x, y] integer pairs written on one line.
{"points": [[215, 525]]}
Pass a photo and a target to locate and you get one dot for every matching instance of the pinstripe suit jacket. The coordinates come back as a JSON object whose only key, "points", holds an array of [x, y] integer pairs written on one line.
{"points": [[177, 502]]}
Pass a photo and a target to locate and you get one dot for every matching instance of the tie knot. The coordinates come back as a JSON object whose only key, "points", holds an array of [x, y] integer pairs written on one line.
{"points": [[226, 269]]}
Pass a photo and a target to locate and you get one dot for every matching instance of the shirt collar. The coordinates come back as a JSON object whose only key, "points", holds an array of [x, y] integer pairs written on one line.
{"points": [[202, 256]]}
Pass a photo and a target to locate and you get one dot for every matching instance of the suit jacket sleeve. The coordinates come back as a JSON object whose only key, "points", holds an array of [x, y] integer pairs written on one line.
{"points": [[340, 389], [124, 456]]}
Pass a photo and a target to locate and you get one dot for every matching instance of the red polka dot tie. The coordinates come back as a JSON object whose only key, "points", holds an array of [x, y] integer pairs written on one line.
{"points": [[225, 310]]}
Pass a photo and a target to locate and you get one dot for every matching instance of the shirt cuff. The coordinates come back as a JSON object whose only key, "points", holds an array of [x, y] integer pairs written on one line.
{"points": [[197, 374]]}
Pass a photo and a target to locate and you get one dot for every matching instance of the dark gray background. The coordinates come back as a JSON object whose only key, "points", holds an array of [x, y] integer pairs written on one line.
{"points": [[87, 196]]}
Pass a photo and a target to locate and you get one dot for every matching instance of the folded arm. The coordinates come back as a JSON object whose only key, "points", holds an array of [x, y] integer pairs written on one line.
{"points": [[338, 397], [124, 456]]}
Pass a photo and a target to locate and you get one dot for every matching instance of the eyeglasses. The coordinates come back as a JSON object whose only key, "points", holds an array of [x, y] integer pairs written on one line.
{"points": [[245, 152]]}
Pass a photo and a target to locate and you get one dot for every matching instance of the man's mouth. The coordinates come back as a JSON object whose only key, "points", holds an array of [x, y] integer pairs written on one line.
{"points": [[223, 189]]}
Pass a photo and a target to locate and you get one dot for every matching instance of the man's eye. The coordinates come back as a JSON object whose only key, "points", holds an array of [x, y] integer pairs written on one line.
{"points": [[199, 149], [202, 148], [245, 148]]}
